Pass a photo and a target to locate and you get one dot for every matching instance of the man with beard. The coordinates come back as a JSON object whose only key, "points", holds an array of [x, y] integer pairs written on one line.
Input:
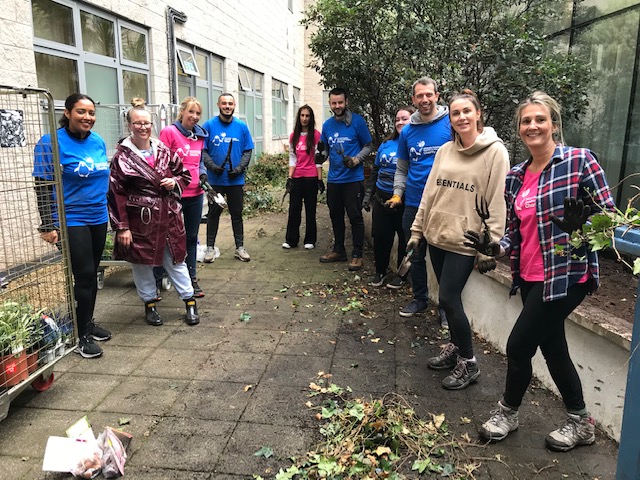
{"points": [[349, 143], [227, 154], [429, 128]]}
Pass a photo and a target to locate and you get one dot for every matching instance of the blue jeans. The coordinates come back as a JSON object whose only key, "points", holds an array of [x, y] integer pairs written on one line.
{"points": [[192, 213], [418, 270], [144, 278]]}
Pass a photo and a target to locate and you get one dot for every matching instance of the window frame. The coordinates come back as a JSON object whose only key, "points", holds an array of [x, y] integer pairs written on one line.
{"points": [[194, 72]]}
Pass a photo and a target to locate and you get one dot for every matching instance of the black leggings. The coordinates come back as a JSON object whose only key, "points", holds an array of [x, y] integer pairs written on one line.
{"points": [[541, 324], [452, 271], [86, 244]]}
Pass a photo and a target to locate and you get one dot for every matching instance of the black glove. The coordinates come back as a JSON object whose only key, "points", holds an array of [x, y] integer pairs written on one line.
{"points": [[575, 215], [235, 172], [484, 263], [203, 178], [366, 202], [218, 170], [485, 246], [289, 185], [320, 186], [320, 156], [350, 162]]}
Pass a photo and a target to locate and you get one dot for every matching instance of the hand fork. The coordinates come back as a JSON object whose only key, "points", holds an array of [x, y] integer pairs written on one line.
{"points": [[483, 212]]}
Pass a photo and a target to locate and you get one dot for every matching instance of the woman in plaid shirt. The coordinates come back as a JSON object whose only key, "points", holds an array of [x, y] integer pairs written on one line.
{"points": [[548, 197]]}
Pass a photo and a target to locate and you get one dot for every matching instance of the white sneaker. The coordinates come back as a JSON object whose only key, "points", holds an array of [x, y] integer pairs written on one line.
{"points": [[286, 245], [503, 421], [209, 255], [242, 255], [309, 246]]}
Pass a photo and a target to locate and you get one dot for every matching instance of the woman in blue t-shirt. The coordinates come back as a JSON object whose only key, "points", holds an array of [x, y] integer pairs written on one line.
{"points": [[386, 222], [85, 181]]}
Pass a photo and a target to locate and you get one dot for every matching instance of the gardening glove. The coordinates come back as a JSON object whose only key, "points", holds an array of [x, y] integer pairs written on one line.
{"points": [[485, 263], [218, 170], [320, 186], [575, 215], [393, 202], [235, 172], [350, 162], [321, 154], [485, 245], [366, 201], [412, 244], [289, 185]]}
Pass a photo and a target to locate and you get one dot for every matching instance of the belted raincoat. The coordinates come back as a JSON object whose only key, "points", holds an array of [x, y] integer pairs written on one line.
{"points": [[137, 201]]}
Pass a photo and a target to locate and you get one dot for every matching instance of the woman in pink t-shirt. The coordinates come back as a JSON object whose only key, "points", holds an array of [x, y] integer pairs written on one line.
{"points": [[185, 138], [305, 179]]}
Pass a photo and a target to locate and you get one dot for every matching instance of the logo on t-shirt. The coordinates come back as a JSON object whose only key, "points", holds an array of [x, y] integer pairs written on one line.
{"points": [[85, 167]]}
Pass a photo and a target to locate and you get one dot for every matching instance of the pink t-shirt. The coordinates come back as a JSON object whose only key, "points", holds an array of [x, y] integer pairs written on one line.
{"points": [[531, 263], [305, 162], [189, 150]]}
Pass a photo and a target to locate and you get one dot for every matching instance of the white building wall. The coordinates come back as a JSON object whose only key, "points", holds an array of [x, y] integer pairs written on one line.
{"points": [[264, 36]]}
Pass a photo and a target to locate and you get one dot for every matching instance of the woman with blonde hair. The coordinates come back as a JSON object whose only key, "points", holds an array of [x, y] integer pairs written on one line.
{"points": [[185, 138], [549, 196], [145, 188]]}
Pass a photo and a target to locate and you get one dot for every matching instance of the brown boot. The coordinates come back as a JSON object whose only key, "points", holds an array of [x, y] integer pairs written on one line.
{"points": [[333, 257], [355, 264]]}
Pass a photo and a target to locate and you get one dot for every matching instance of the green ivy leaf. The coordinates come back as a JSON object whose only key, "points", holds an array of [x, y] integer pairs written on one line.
{"points": [[265, 452], [245, 317]]}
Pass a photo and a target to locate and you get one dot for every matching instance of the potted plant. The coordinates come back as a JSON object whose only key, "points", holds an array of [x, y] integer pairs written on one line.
{"points": [[16, 328]]}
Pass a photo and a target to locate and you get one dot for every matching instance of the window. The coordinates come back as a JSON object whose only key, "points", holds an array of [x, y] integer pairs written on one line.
{"points": [[296, 100], [79, 49], [207, 86], [326, 110], [187, 60], [279, 105], [249, 108]]}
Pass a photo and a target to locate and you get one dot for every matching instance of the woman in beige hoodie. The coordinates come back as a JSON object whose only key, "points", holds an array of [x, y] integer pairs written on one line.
{"points": [[467, 178]]}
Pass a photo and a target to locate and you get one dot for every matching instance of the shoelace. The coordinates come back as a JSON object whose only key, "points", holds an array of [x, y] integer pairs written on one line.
{"points": [[569, 427], [447, 350], [460, 369]]}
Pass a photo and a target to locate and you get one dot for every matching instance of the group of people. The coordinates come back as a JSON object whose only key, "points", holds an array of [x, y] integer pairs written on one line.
{"points": [[442, 183], [152, 192]]}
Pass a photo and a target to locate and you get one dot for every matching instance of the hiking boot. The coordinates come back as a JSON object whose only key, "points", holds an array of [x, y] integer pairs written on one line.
{"points": [[503, 421], [376, 280], [333, 257], [309, 246], [464, 373], [446, 360], [442, 316], [242, 255], [415, 306], [87, 347], [197, 291], [191, 316], [98, 333], [151, 314], [395, 283], [355, 264], [575, 430], [209, 255]]}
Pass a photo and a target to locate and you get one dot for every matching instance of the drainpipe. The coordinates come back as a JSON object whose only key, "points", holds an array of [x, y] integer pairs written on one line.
{"points": [[629, 451], [173, 16]]}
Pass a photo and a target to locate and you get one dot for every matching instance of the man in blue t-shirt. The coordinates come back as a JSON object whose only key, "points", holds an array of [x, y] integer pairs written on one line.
{"points": [[227, 154], [348, 141], [428, 129]]}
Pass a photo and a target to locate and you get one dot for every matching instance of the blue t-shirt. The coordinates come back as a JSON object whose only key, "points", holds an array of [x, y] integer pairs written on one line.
{"points": [[217, 145], [418, 145], [85, 176], [337, 135], [386, 161]]}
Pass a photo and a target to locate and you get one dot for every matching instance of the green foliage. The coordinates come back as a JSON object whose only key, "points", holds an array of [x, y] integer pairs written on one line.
{"points": [[269, 169], [377, 48]]}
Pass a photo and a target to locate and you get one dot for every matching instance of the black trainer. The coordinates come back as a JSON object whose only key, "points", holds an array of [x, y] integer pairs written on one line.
{"points": [[98, 333], [87, 347], [197, 291], [151, 314], [376, 280], [191, 316]]}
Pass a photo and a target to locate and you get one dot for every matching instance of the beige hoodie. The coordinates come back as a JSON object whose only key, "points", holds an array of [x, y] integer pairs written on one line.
{"points": [[447, 207]]}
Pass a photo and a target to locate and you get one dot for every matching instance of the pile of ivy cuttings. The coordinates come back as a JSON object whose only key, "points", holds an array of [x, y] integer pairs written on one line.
{"points": [[377, 439]]}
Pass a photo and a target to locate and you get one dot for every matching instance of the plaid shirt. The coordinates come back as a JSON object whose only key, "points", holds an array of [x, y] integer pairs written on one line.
{"points": [[572, 172]]}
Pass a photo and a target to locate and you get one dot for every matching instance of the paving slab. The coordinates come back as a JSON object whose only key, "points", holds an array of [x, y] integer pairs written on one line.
{"points": [[200, 401]]}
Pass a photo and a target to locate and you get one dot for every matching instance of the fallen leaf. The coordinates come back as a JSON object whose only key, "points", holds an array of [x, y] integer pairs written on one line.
{"points": [[465, 420], [380, 351], [438, 419], [383, 450], [309, 404], [245, 317], [364, 290], [124, 420], [247, 388], [375, 340], [466, 437], [265, 452]]}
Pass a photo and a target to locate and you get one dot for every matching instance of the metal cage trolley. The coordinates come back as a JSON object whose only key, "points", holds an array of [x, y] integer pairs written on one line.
{"points": [[37, 308]]}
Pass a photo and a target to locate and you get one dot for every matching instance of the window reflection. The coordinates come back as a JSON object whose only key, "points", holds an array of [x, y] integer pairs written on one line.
{"points": [[61, 74], [52, 21], [97, 35], [134, 45], [590, 9]]}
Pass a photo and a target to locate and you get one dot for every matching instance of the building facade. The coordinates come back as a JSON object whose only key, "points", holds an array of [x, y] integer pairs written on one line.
{"points": [[163, 51], [604, 33]]}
